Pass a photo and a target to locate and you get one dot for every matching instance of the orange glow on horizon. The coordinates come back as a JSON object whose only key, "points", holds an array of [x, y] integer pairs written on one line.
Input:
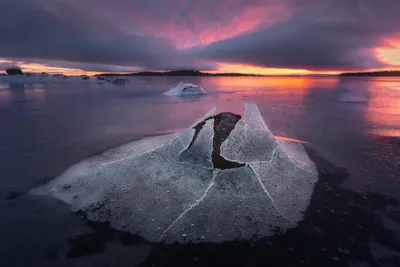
{"points": [[295, 87], [223, 68], [249, 83], [249, 69], [38, 68], [33, 67], [390, 54]]}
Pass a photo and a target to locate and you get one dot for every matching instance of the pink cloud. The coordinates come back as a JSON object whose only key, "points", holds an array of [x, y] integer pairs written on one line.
{"points": [[196, 23]]}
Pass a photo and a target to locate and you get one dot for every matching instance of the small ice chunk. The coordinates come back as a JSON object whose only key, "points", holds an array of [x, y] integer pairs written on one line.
{"points": [[184, 89]]}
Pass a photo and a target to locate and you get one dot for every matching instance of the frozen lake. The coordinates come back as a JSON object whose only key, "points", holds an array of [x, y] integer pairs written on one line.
{"points": [[351, 126]]}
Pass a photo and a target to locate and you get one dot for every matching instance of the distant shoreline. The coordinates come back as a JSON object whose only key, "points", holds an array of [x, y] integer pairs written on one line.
{"points": [[372, 74], [177, 73], [196, 73]]}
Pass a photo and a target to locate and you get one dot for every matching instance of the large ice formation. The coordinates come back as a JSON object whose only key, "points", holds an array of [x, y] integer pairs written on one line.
{"points": [[224, 178], [184, 89]]}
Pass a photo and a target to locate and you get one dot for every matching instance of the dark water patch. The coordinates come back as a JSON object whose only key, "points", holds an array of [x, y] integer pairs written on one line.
{"points": [[96, 241], [11, 195], [390, 261], [224, 123], [394, 215], [395, 141], [53, 255]]}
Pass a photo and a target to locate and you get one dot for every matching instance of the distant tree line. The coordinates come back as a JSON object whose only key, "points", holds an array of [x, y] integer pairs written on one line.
{"points": [[176, 73], [392, 73]]}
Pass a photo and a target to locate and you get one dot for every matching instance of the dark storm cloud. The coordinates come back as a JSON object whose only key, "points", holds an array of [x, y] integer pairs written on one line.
{"points": [[329, 35], [119, 35], [57, 30]]}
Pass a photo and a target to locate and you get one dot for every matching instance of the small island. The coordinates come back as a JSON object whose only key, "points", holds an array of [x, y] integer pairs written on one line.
{"points": [[391, 73], [14, 71], [176, 73]]}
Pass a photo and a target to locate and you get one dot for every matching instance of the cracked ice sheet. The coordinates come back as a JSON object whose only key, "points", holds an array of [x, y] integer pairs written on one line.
{"points": [[285, 170], [142, 193], [289, 186], [201, 150], [250, 140], [235, 206]]}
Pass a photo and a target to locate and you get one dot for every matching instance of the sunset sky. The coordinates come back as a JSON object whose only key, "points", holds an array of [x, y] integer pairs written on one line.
{"points": [[247, 36]]}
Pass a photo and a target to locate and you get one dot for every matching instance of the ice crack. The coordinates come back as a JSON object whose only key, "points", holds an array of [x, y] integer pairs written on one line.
{"points": [[268, 194], [195, 204], [294, 161], [250, 162], [196, 165]]}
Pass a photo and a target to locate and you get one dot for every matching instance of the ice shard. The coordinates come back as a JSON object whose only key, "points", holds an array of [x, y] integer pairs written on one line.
{"points": [[251, 139]]}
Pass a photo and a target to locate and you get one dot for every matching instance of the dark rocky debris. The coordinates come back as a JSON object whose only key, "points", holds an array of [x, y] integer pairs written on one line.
{"points": [[97, 240]]}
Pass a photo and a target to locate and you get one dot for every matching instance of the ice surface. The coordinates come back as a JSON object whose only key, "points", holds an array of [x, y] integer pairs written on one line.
{"points": [[184, 89], [352, 95], [166, 189], [235, 207]]}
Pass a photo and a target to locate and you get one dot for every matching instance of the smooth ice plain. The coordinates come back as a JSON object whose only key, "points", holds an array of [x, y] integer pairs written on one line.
{"points": [[166, 188]]}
